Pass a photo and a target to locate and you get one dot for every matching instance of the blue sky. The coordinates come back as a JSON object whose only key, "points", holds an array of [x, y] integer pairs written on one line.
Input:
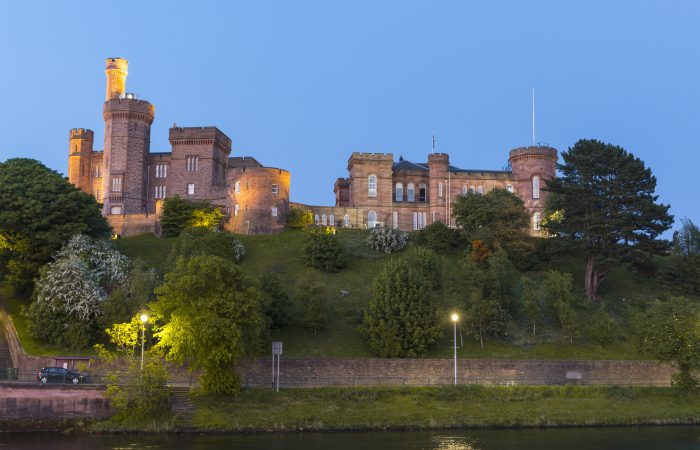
{"points": [[302, 84]]}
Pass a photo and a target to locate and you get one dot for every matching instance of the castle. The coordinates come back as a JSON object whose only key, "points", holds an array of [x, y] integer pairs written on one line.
{"points": [[130, 180]]}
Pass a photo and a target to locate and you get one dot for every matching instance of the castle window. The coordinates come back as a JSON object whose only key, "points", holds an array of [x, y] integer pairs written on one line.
{"points": [[274, 211], [372, 186], [419, 219], [411, 192], [236, 209], [317, 219], [480, 190], [471, 189], [161, 170], [440, 190], [346, 220], [509, 188], [371, 219], [237, 187], [536, 221], [192, 163], [98, 172], [116, 184], [160, 192], [190, 189], [275, 189], [324, 220], [464, 190], [399, 192], [395, 219], [535, 187], [331, 220], [98, 197], [422, 192]]}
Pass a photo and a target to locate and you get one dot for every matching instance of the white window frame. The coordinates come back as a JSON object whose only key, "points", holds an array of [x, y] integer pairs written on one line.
{"points": [[324, 220], [536, 221], [424, 187], [509, 188], [275, 189], [116, 184], [480, 190], [472, 189], [399, 192], [98, 172], [317, 219], [192, 163], [331, 220], [465, 189], [237, 187], [410, 192], [536, 187], [346, 220], [439, 189], [372, 185], [372, 219], [273, 211], [190, 189], [236, 209], [395, 219]]}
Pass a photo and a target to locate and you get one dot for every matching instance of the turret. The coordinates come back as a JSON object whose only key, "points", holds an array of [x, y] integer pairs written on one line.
{"points": [[117, 71], [532, 167], [438, 166], [80, 142]]}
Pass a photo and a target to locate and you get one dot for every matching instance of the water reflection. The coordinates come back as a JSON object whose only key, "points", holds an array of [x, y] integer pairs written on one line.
{"points": [[454, 443]]}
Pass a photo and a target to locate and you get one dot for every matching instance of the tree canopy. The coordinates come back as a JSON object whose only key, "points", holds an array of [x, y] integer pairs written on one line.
{"points": [[605, 202], [180, 213], [497, 215], [39, 211]]}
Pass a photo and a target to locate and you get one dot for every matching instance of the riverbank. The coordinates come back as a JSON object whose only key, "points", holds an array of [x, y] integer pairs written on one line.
{"points": [[417, 408]]}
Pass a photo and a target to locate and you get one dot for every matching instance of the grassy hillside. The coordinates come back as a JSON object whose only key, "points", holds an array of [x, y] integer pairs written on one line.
{"points": [[281, 254]]}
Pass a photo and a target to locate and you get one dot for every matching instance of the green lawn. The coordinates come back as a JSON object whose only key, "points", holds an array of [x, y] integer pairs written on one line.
{"points": [[441, 407]]}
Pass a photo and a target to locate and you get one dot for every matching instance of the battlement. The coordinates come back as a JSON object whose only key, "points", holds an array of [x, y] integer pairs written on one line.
{"points": [[125, 104], [540, 151], [179, 135], [438, 158], [373, 156], [116, 63], [81, 133]]}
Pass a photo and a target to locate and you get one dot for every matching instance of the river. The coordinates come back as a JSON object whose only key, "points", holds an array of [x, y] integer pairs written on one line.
{"points": [[643, 438]]}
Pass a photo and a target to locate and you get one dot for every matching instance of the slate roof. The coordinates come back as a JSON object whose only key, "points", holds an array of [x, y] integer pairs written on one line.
{"points": [[408, 165]]}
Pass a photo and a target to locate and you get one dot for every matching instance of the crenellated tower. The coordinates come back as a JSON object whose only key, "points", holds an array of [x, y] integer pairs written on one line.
{"points": [[438, 166], [531, 168], [127, 144], [80, 142]]}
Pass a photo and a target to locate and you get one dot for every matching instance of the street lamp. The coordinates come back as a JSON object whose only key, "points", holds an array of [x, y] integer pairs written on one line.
{"points": [[144, 319], [455, 319]]}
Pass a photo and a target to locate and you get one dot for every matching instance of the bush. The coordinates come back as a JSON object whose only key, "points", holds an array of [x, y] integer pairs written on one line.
{"points": [[439, 237], [311, 299], [199, 241], [275, 301], [299, 218], [323, 251], [180, 213], [387, 240], [425, 262], [602, 326]]}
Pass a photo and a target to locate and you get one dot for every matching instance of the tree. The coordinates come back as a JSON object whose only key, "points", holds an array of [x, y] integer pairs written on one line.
{"points": [[485, 317], [276, 302], [39, 211], [669, 332], [387, 240], [179, 213], [311, 298], [401, 319], [299, 218], [686, 241], [498, 215], [323, 250], [604, 202], [438, 237], [559, 295], [531, 304], [195, 241], [210, 316]]}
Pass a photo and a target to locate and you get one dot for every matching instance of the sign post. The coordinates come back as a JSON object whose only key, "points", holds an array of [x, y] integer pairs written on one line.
{"points": [[276, 355]]}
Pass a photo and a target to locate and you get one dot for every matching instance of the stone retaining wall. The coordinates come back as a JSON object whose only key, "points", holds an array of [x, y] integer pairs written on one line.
{"points": [[302, 372], [52, 403]]}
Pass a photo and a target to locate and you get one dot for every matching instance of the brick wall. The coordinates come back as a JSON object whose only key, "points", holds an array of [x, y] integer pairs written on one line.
{"points": [[375, 371], [256, 199], [52, 403]]}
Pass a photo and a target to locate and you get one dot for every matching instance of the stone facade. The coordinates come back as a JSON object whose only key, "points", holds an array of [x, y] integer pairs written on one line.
{"points": [[130, 180]]}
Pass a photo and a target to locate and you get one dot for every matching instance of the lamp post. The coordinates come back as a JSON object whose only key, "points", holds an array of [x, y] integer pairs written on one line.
{"points": [[144, 319], [455, 319]]}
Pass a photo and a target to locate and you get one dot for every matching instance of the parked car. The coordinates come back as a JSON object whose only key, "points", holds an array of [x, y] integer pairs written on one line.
{"points": [[59, 374]]}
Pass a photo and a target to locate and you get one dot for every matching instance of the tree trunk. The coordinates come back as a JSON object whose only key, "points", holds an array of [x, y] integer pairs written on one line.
{"points": [[481, 336], [534, 330], [593, 279]]}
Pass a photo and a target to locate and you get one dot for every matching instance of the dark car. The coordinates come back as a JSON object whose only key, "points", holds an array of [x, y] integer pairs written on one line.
{"points": [[59, 374]]}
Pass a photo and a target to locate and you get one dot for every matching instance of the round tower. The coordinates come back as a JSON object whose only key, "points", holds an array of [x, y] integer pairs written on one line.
{"points": [[259, 199], [531, 168], [438, 167], [80, 142], [117, 71]]}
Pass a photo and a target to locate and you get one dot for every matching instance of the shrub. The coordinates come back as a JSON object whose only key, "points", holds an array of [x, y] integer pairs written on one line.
{"points": [[196, 241], [323, 251], [299, 218], [387, 240], [275, 301], [311, 299], [438, 237], [180, 213]]}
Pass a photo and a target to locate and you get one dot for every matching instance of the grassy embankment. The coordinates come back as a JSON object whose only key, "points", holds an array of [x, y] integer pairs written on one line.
{"points": [[442, 407], [281, 253]]}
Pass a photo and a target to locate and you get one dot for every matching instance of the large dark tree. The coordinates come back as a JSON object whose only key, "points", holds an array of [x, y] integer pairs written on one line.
{"points": [[39, 211], [497, 216], [604, 201]]}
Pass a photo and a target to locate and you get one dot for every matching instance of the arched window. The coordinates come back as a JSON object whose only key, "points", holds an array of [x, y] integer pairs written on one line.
{"points": [[471, 189], [411, 192], [372, 185], [509, 188], [371, 219], [346, 220], [324, 220], [464, 190], [317, 219], [536, 221], [535, 187], [480, 189], [399, 192], [422, 192]]}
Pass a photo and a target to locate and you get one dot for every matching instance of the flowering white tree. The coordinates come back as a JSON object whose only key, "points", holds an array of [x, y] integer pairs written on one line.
{"points": [[387, 240]]}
